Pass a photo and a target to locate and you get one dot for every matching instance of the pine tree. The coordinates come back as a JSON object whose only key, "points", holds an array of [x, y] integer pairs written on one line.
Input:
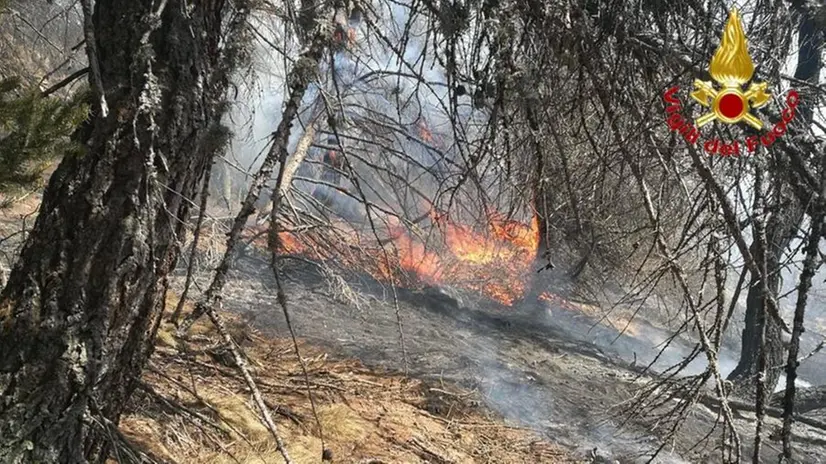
{"points": [[34, 131]]}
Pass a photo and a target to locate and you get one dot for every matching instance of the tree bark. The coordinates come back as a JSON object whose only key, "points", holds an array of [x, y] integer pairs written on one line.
{"points": [[779, 232], [79, 314]]}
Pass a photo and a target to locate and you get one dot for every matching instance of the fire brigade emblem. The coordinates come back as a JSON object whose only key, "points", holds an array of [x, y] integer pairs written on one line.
{"points": [[731, 67]]}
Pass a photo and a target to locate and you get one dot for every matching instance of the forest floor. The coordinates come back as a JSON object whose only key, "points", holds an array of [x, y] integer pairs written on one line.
{"points": [[550, 369], [476, 381], [194, 407]]}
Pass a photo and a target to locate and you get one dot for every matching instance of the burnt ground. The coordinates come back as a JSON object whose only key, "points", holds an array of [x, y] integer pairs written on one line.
{"points": [[541, 366], [538, 365]]}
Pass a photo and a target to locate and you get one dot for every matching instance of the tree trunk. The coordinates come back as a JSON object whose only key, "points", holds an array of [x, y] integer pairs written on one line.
{"points": [[79, 314], [779, 233], [226, 185], [543, 195], [781, 227]]}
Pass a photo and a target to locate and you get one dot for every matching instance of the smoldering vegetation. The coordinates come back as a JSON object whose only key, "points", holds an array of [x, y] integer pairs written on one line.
{"points": [[487, 193], [645, 241]]}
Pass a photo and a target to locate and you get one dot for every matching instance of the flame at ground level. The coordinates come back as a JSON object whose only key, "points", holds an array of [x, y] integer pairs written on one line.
{"points": [[495, 261], [496, 264], [619, 320]]}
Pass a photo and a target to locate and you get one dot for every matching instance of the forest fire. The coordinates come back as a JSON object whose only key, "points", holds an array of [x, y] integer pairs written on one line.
{"points": [[494, 260], [290, 243], [620, 321], [495, 263], [558, 301]]}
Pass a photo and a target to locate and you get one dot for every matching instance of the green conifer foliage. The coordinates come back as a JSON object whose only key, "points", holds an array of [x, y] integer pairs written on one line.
{"points": [[34, 131]]}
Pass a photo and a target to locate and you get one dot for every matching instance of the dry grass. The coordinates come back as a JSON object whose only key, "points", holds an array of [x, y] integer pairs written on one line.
{"points": [[340, 423], [166, 335], [363, 414], [239, 418], [201, 413]]}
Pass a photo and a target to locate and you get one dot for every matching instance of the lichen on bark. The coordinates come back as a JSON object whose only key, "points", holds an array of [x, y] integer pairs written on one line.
{"points": [[81, 306]]}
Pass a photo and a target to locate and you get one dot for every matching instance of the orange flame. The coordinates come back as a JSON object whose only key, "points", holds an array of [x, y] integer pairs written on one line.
{"points": [[622, 322], [495, 260], [414, 257], [557, 300], [424, 133], [495, 264], [289, 243], [498, 263]]}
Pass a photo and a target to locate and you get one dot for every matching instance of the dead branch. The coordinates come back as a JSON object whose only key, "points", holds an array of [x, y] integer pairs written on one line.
{"points": [[241, 363], [273, 241], [91, 51], [805, 399], [176, 407], [426, 452], [123, 449], [738, 405], [197, 235], [676, 270], [809, 268], [348, 165], [300, 76], [66, 81], [300, 153]]}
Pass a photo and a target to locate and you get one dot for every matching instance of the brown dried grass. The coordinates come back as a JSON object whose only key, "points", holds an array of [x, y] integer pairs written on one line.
{"points": [[363, 414]]}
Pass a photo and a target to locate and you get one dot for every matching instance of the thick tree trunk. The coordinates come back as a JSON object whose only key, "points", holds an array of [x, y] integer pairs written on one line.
{"points": [[81, 308], [779, 233], [780, 229]]}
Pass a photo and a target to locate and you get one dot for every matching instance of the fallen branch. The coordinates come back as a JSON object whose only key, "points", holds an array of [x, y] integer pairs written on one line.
{"points": [[241, 363], [807, 399], [425, 452], [738, 405], [274, 244], [123, 449], [286, 412], [174, 406]]}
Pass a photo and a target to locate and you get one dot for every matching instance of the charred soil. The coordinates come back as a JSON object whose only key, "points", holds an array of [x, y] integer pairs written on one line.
{"points": [[537, 365]]}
